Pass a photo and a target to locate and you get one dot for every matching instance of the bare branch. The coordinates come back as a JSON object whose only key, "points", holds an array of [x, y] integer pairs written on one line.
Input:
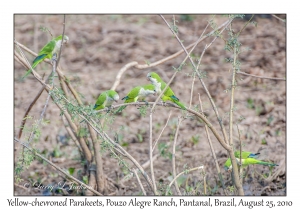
{"points": [[139, 181], [186, 171], [173, 155], [150, 154], [283, 20], [262, 77], [162, 131]]}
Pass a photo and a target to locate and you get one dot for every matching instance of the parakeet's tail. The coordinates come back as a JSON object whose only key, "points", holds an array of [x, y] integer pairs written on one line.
{"points": [[26, 74], [95, 106], [176, 101], [267, 164], [36, 61], [120, 109], [180, 104]]}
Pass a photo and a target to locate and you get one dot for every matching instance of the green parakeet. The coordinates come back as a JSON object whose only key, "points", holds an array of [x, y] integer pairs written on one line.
{"points": [[160, 85], [106, 99], [138, 93], [48, 51], [247, 162]]}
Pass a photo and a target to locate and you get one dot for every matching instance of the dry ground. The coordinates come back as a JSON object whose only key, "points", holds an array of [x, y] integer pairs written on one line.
{"points": [[100, 45]]}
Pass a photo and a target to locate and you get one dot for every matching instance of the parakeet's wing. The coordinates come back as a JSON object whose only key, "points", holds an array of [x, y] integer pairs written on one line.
{"points": [[133, 94], [246, 154], [169, 92], [46, 52], [149, 87], [100, 101]]}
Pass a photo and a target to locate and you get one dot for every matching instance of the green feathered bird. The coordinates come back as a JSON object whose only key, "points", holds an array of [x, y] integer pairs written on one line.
{"points": [[106, 99], [159, 84], [138, 93], [246, 162], [48, 51]]}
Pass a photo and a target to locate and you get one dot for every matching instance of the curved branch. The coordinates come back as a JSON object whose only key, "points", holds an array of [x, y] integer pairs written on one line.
{"points": [[146, 66]]}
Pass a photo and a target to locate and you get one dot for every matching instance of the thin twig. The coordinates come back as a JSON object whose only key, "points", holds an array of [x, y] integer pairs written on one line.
{"points": [[56, 167], [173, 154], [162, 131], [233, 85], [244, 26], [199, 75], [212, 150], [61, 44], [139, 181], [28, 110], [204, 181], [240, 147], [121, 72], [146, 66], [192, 89], [20, 186], [150, 154], [185, 172], [283, 20], [231, 152], [262, 77]]}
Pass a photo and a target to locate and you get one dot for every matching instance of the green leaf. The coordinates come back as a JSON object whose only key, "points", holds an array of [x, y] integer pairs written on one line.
{"points": [[85, 179], [71, 171], [264, 142]]}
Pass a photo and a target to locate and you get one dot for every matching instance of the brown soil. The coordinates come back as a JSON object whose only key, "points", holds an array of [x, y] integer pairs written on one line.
{"points": [[100, 45]]}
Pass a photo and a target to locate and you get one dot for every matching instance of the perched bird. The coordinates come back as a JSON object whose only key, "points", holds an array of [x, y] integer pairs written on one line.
{"points": [[48, 51], [159, 84], [138, 93], [106, 99], [246, 162], [246, 154]]}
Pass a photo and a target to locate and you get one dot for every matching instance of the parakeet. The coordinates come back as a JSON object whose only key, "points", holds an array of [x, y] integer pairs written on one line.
{"points": [[106, 99], [247, 162], [160, 85], [246, 154], [138, 93], [48, 51]]}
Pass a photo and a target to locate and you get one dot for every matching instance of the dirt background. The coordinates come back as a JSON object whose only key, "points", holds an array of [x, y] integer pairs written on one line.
{"points": [[100, 45]]}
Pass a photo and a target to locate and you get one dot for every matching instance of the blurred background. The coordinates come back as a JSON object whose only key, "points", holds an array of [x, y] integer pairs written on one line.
{"points": [[100, 45]]}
